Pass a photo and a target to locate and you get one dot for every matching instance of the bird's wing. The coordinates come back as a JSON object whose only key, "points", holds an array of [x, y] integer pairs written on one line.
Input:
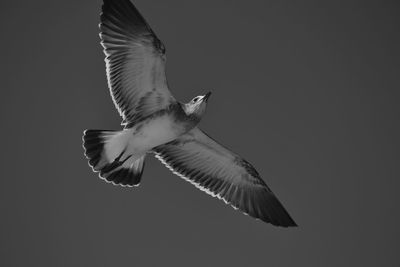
{"points": [[135, 62], [199, 159]]}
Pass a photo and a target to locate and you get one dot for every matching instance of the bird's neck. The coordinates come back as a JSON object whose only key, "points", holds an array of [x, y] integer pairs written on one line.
{"points": [[187, 116]]}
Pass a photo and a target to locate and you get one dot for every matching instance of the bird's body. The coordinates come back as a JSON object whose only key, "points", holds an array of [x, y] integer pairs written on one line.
{"points": [[156, 123], [157, 129]]}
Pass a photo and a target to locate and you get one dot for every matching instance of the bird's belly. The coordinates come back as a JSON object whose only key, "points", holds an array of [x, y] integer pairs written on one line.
{"points": [[155, 132]]}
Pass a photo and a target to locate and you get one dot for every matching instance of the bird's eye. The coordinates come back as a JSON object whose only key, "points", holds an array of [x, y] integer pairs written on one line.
{"points": [[195, 99]]}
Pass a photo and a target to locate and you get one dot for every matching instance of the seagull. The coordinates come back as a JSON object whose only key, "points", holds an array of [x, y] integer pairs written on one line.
{"points": [[154, 122]]}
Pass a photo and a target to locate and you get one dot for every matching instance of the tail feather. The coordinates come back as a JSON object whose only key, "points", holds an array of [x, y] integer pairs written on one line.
{"points": [[107, 154]]}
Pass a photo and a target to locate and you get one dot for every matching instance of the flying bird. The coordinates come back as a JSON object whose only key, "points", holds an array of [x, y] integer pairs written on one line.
{"points": [[156, 123]]}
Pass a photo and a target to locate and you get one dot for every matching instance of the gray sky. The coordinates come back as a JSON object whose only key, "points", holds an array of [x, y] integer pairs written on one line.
{"points": [[306, 91]]}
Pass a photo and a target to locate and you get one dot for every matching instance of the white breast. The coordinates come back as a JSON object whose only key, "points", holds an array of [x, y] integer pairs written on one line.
{"points": [[154, 132]]}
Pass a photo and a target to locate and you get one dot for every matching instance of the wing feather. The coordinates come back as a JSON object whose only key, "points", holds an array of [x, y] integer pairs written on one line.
{"points": [[219, 172], [135, 62]]}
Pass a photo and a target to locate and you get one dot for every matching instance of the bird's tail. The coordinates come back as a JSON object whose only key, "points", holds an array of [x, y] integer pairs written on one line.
{"points": [[108, 154]]}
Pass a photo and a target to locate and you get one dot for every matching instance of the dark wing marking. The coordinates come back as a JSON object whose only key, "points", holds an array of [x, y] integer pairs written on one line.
{"points": [[216, 170], [135, 62]]}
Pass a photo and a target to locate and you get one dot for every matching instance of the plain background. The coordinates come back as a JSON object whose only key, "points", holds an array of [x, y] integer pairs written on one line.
{"points": [[308, 91]]}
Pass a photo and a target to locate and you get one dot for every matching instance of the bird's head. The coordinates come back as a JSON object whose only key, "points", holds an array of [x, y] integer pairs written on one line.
{"points": [[197, 106]]}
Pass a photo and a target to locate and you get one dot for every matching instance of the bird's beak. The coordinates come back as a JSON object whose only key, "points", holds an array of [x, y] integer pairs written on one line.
{"points": [[206, 96]]}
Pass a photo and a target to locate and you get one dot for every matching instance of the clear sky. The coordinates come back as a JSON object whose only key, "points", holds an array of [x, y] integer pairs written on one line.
{"points": [[307, 91]]}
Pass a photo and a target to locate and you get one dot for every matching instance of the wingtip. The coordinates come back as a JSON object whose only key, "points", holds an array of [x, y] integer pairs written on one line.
{"points": [[284, 224], [289, 224]]}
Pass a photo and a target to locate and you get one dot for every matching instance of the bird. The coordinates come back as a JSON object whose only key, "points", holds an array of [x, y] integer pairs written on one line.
{"points": [[155, 123]]}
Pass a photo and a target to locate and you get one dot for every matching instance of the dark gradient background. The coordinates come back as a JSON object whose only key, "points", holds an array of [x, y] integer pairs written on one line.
{"points": [[308, 91]]}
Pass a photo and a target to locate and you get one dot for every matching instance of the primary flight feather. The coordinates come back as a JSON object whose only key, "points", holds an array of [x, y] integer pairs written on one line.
{"points": [[155, 122]]}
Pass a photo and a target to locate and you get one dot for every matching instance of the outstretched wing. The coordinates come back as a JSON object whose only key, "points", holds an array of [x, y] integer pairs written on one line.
{"points": [[216, 170], [135, 62]]}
